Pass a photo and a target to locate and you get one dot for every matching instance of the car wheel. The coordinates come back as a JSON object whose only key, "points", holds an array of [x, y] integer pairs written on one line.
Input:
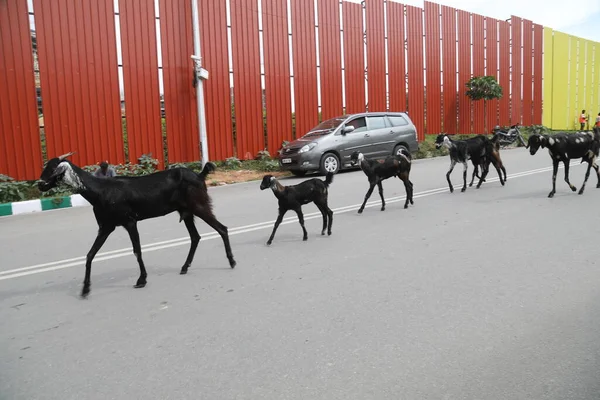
{"points": [[299, 173], [398, 148], [330, 163]]}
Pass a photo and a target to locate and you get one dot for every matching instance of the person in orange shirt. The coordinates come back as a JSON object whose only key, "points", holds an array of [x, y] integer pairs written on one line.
{"points": [[597, 124], [582, 120]]}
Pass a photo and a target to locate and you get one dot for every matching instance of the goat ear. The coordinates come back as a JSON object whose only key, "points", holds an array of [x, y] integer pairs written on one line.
{"points": [[61, 158], [60, 168]]}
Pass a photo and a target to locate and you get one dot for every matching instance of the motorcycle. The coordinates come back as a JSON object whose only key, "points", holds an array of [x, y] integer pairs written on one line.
{"points": [[507, 137]]}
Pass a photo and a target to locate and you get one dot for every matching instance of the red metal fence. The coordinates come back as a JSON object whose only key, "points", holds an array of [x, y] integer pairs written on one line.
{"points": [[255, 99]]}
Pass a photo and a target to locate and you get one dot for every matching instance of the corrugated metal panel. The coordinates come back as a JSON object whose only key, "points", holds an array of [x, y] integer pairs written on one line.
{"points": [[527, 72], [217, 96], [573, 109], [247, 92], [79, 81], [140, 78], [478, 70], [180, 96], [464, 71], [504, 74], [548, 73], [449, 66], [277, 74], [416, 98], [491, 48], [591, 99], [560, 83], [434, 68], [304, 56], [396, 57], [375, 55], [20, 153], [581, 84], [330, 57], [516, 73], [354, 72]]}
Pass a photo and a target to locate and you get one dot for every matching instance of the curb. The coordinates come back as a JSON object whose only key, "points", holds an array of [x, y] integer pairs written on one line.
{"points": [[39, 205]]}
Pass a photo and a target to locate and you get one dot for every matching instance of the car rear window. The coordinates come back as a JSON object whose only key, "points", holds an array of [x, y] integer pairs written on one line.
{"points": [[398, 120]]}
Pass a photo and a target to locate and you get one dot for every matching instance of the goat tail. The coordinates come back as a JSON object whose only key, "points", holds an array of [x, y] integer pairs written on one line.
{"points": [[208, 168], [406, 154], [328, 179]]}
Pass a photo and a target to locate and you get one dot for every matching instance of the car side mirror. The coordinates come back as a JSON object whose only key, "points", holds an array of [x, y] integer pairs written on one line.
{"points": [[347, 129]]}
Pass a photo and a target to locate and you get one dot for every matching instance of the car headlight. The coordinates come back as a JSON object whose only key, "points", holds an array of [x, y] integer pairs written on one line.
{"points": [[307, 147]]}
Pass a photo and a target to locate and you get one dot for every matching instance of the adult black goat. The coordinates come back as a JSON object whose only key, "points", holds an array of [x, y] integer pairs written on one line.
{"points": [[123, 201], [564, 147], [478, 149], [378, 170], [293, 197], [492, 157]]}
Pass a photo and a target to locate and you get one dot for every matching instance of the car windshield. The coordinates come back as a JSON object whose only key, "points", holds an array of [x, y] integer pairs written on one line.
{"points": [[325, 127]]}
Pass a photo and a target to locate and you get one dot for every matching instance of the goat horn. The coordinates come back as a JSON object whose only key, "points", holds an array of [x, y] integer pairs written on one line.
{"points": [[66, 155]]}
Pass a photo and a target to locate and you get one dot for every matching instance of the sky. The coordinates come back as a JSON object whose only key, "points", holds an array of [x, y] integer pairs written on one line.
{"points": [[576, 17]]}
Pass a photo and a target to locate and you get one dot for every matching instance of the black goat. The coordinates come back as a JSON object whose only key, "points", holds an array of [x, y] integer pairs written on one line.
{"points": [[478, 149], [378, 170], [564, 147], [293, 197], [123, 201], [493, 157]]}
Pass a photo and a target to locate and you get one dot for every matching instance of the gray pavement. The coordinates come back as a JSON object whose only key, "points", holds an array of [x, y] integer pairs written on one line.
{"points": [[487, 294]]}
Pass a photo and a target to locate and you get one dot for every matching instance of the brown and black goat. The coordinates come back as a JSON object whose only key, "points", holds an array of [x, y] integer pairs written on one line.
{"points": [[293, 197], [378, 170]]}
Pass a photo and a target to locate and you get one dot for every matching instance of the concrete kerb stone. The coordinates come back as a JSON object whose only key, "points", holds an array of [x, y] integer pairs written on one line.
{"points": [[44, 204]]}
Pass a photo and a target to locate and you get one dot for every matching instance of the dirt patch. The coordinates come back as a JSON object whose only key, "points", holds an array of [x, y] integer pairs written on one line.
{"points": [[219, 178]]}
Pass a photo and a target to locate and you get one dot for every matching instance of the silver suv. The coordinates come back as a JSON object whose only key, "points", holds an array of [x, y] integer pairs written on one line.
{"points": [[328, 146]]}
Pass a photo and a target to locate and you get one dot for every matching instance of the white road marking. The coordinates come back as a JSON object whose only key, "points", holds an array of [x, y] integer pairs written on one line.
{"points": [[109, 255]]}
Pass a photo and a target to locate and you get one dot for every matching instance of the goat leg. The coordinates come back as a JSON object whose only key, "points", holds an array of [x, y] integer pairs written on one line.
{"points": [[597, 173], [452, 164], [323, 208], [466, 166], [372, 186], [195, 239], [380, 187], [566, 162], [211, 220], [137, 250], [485, 169], [554, 172], [301, 220], [103, 233], [474, 174], [587, 174], [407, 187], [279, 219]]}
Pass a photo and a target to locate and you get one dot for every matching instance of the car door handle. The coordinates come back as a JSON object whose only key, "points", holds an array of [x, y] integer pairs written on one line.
{"points": [[367, 135], [391, 132]]}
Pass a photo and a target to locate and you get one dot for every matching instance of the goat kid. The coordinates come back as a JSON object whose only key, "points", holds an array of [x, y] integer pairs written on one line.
{"points": [[564, 147], [378, 170], [123, 201], [493, 157], [477, 149], [293, 197]]}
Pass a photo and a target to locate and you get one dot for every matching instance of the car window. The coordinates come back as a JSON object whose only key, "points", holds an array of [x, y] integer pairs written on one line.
{"points": [[398, 121], [359, 124], [377, 122]]}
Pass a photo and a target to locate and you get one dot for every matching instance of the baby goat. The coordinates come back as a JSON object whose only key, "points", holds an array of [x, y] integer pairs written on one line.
{"points": [[493, 157], [379, 170], [124, 200], [293, 197]]}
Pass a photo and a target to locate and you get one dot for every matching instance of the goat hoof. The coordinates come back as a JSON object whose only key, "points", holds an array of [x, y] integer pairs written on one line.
{"points": [[85, 292], [183, 271], [598, 186], [550, 195], [573, 188], [329, 233], [382, 208], [463, 189], [139, 284], [232, 263], [304, 239], [269, 243], [580, 192], [360, 211]]}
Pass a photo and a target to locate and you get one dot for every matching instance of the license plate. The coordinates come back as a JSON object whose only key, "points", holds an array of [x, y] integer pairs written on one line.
{"points": [[286, 161]]}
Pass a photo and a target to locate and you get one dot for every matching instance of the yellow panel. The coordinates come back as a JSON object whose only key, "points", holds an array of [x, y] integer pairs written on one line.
{"points": [[560, 81], [590, 96], [548, 72], [582, 101], [573, 109]]}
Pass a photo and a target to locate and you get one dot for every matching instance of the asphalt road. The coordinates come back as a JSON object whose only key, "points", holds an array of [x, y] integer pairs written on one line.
{"points": [[488, 294]]}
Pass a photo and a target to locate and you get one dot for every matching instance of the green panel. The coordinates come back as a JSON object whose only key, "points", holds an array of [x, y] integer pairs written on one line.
{"points": [[548, 72], [560, 81], [5, 209], [56, 202]]}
